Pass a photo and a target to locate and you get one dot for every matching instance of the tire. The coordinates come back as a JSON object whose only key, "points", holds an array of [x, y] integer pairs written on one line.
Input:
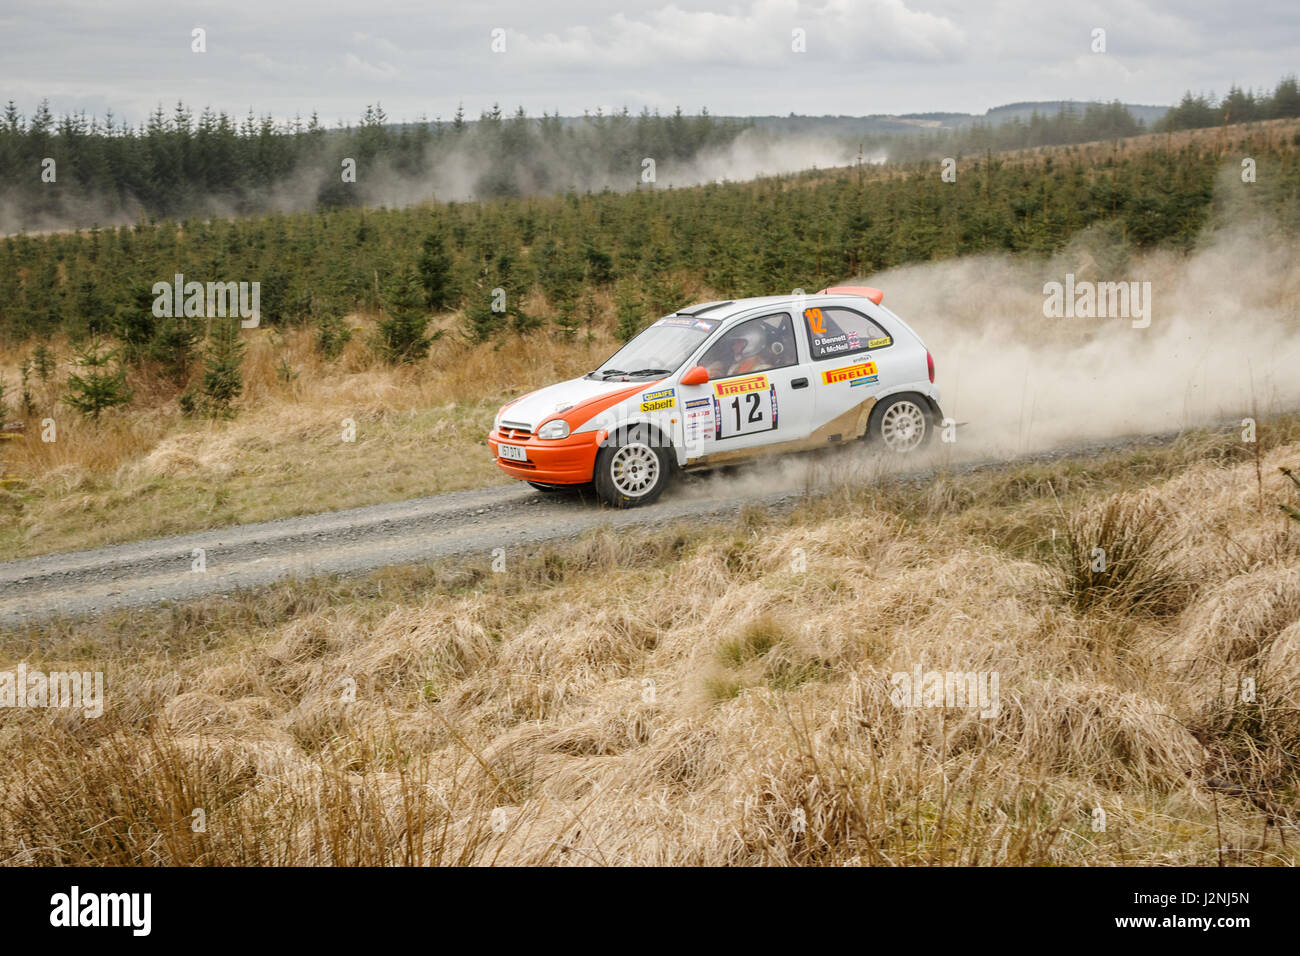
{"points": [[901, 424], [633, 469]]}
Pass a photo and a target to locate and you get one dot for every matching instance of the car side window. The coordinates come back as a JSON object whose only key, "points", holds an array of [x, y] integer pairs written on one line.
{"points": [[836, 331], [755, 345]]}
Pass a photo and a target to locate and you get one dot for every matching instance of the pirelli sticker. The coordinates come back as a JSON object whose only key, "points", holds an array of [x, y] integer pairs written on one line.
{"points": [[739, 386], [658, 401], [848, 373]]}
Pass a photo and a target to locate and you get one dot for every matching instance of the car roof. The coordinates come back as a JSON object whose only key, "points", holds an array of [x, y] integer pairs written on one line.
{"points": [[729, 312], [727, 309]]}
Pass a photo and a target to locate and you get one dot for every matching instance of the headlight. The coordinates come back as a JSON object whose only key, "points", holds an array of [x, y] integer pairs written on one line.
{"points": [[558, 428]]}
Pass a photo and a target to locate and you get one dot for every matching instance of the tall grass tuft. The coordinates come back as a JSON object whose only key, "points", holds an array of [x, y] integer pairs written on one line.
{"points": [[1121, 557]]}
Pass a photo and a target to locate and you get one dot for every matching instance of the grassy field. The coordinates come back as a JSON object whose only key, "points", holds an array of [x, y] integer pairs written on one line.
{"points": [[419, 430], [725, 695]]}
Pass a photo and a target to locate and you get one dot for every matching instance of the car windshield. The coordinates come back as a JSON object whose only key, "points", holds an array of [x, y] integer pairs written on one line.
{"points": [[659, 350]]}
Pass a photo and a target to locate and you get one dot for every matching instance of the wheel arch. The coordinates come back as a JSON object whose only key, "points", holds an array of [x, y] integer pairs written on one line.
{"points": [[663, 438], [912, 390]]}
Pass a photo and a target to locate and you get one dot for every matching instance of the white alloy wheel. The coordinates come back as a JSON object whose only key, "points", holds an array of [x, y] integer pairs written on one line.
{"points": [[634, 469], [903, 426]]}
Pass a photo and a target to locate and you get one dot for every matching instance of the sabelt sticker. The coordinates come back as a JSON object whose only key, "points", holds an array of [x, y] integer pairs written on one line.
{"points": [[879, 343], [658, 401], [739, 386], [848, 373], [869, 380]]}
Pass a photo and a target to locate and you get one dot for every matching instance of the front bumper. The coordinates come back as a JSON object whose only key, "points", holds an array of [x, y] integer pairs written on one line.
{"points": [[568, 461]]}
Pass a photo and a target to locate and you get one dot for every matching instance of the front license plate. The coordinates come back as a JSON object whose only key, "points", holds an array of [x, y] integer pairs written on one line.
{"points": [[513, 452]]}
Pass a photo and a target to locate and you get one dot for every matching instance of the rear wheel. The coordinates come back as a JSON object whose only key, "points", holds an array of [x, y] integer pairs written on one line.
{"points": [[632, 470], [901, 424]]}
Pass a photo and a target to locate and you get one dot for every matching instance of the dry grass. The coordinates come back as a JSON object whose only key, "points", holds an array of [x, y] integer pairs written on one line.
{"points": [[146, 470], [149, 471], [717, 701], [1121, 556]]}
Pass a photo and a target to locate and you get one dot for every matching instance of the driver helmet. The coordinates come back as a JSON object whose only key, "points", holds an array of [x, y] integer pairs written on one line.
{"points": [[753, 340]]}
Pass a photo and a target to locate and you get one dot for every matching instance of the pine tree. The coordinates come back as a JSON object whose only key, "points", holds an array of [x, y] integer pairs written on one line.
{"points": [[101, 383], [25, 373], [332, 334], [402, 332], [566, 318], [173, 348], [629, 311], [135, 324], [223, 382], [481, 322], [435, 271], [43, 362]]}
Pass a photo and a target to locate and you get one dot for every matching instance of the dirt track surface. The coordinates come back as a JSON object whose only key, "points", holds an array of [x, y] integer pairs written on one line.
{"points": [[466, 523], [462, 523]]}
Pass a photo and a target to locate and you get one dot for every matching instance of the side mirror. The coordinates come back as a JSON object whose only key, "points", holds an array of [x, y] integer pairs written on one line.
{"points": [[699, 375]]}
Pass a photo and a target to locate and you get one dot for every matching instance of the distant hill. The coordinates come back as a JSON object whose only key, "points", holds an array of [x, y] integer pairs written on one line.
{"points": [[888, 123], [878, 124], [1001, 114]]}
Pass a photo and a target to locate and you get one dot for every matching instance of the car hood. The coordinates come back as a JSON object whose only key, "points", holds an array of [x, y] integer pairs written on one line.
{"points": [[576, 395]]}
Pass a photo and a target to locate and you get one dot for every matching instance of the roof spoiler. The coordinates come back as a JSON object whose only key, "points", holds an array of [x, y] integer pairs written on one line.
{"points": [[701, 308], [875, 295]]}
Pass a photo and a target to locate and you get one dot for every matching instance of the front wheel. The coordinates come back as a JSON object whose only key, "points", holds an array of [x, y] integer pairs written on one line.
{"points": [[901, 424], [632, 470]]}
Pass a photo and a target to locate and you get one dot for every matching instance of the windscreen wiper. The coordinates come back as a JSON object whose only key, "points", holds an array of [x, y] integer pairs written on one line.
{"points": [[651, 371]]}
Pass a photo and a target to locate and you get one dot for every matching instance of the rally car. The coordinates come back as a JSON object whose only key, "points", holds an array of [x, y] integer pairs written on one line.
{"points": [[719, 382]]}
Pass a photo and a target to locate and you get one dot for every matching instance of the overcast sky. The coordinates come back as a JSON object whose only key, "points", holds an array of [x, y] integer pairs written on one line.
{"points": [[289, 57]]}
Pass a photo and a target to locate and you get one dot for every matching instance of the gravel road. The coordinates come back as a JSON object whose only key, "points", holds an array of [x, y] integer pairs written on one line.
{"points": [[477, 522]]}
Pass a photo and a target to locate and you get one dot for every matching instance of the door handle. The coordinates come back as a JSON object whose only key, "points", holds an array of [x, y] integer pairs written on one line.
{"points": [[799, 383]]}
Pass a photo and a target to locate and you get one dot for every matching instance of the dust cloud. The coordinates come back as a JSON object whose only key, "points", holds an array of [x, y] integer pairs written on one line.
{"points": [[1223, 341], [1223, 344], [456, 173]]}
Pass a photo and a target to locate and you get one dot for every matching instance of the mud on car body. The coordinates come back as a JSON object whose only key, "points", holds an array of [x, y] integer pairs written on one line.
{"points": [[721, 382]]}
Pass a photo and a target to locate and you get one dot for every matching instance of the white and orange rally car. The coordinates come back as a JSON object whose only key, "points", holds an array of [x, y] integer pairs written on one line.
{"points": [[719, 382]]}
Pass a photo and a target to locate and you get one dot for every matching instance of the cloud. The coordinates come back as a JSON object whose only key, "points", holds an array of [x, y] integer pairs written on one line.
{"points": [[270, 66], [354, 65], [1092, 71], [845, 31], [382, 45], [734, 56]]}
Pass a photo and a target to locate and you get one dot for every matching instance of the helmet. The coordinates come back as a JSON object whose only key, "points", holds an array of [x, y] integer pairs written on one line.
{"points": [[754, 340]]}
